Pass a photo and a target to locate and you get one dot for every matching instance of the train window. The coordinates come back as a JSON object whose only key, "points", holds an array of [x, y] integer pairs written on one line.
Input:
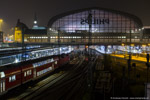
{"points": [[1, 87], [50, 68], [43, 62], [55, 62], [12, 78], [44, 71], [25, 74], [2, 74], [9, 79], [37, 73], [30, 71]]}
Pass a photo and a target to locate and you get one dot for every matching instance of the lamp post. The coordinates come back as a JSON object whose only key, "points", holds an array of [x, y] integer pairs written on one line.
{"points": [[1, 21], [1, 32]]}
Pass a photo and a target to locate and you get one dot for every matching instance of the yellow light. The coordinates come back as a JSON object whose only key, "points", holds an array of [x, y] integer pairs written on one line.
{"points": [[1, 20], [86, 46], [122, 44], [148, 44], [143, 45], [132, 44]]}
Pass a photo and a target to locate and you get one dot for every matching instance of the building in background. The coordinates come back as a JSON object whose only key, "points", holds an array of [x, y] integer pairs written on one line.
{"points": [[107, 27], [19, 30], [36, 34]]}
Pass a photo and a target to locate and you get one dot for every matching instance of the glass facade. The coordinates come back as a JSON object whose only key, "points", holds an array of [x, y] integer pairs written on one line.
{"points": [[106, 26], [102, 22]]}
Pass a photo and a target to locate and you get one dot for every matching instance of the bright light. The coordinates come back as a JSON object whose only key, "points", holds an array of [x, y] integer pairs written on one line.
{"points": [[1, 20], [122, 44], [86, 46], [143, 45], [16, 60], [35, 22], [2, 74]]}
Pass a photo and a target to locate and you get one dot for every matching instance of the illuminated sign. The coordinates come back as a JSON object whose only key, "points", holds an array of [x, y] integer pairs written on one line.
{"points": [[95, 21]]}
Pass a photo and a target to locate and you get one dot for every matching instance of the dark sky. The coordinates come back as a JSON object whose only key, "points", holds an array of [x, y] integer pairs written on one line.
{"points": [[11, 10]]}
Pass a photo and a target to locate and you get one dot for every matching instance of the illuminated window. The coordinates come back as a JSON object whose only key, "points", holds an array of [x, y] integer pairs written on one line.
{"points": [[55, 62], [12, 78], [25, 74], [28, 72]]}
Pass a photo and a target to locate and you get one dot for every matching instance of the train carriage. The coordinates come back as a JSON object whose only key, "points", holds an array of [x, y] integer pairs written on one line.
{"points": [[43, 67], [14, 75], [27, 73]]}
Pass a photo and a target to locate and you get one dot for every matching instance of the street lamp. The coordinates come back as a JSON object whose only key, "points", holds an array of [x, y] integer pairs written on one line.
{"points": [[1, 21]]}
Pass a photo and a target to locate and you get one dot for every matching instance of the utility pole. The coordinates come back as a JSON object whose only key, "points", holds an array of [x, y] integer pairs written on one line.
{"points": [[129, 60], [90, 34], [59, 42], [23, 52], [147, 64], [89, 43], [147, 56]]}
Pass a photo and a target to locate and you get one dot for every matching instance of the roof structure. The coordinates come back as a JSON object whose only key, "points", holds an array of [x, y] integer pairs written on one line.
{"points": [[36, 31], [53, 19]]}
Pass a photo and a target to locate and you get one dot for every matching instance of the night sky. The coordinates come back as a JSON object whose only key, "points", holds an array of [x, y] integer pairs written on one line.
{"points": [[11, 10]]}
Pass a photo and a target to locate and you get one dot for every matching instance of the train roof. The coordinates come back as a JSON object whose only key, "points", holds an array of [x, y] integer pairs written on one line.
{"points": [[17, 65]]}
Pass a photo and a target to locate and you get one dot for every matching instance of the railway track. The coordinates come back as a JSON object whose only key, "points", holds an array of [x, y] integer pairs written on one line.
{"points": [[43, 85], [71, 87]]}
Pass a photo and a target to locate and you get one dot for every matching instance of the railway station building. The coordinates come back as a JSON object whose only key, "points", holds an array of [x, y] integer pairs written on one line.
{"points": [[105, 25]]}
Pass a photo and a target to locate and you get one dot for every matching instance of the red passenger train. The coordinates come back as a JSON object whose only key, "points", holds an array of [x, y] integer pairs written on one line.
{"points": [[16, 74]]}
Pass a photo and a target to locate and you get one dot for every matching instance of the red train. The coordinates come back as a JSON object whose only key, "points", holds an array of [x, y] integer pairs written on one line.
{"points": [[16, 74]]}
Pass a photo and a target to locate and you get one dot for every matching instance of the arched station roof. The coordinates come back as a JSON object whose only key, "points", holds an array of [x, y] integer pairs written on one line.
{"points": [[133, 17]]}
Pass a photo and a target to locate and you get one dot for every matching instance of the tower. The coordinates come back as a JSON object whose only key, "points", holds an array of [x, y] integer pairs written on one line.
{"points": [[35, 25], [18, 32]]}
